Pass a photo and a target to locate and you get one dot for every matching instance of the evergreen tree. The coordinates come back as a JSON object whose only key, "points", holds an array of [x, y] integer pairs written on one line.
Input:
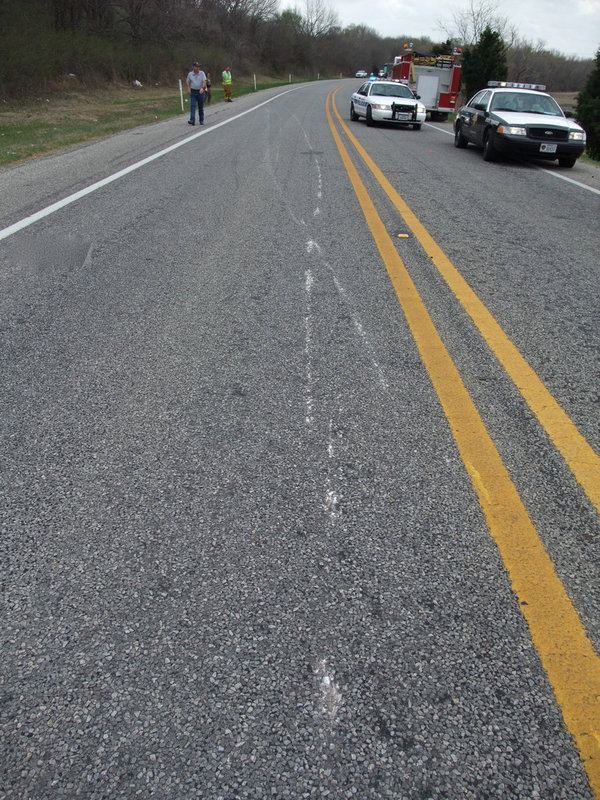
{"points": [[484, 61], [588, 110], [444, 49]]}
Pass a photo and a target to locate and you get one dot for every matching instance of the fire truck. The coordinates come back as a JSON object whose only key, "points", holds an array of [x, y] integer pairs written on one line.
{"points": [[434, 78]]}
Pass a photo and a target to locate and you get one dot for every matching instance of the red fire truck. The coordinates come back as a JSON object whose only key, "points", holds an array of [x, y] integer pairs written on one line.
{"points": [[434, 78]]}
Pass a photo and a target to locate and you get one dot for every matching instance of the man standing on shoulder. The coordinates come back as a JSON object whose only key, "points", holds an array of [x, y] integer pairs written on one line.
{"points": [[196, 83], [227, 85]]}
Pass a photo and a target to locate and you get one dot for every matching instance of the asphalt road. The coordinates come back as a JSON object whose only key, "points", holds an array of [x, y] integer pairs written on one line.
{"points": [[241, 554]]}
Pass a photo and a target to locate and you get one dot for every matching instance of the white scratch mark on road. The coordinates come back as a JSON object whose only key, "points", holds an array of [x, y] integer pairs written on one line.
{"points": [[333, 497], [309, 280], [332, 503], [308, 335], [318, 168], [330, 699], [362, 333]]}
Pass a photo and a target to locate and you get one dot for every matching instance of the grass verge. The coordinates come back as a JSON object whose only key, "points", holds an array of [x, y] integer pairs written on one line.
{"points": [[43, 125]]}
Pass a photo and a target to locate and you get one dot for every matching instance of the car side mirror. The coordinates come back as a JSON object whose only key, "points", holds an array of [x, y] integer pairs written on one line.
{"points": [[568, 114], [479, 106], [418, 96]]}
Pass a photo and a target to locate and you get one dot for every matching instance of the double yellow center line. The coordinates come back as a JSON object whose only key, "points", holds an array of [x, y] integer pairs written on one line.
{"points": [[567, 654]]}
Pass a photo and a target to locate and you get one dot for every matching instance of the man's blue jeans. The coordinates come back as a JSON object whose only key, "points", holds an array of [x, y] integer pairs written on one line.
{"points": [[196, 97]]}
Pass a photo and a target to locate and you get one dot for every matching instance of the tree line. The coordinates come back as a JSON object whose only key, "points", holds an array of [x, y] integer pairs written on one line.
{"points": [[101, 41]]}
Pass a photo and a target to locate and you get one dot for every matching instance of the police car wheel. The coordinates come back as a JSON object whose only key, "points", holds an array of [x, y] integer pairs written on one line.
{"points": [[489, 151], [459, 138], [353, 114], [568, 161], [416, 126], [369, 116]]}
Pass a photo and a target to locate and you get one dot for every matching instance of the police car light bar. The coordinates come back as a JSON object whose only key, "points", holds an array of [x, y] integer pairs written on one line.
{"points": [[540, 87]]}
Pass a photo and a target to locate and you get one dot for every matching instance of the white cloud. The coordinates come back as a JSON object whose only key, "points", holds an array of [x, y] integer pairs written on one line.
{"points": [[586, 7], [569, 28]]}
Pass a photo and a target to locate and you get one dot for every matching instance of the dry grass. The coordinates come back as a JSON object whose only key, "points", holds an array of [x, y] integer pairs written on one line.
{"points": [[52, 122], [73, 114], [86, 105], [566, 100]]}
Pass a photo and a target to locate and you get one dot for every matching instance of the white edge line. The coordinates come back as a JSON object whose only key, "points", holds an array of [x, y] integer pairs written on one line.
{"points": [[44, 212], [547, 171], [441, 130], [569, 180]]}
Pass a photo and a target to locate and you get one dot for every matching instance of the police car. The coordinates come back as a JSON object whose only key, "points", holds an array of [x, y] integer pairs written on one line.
{"points": [[518, 119], [387, 101]]}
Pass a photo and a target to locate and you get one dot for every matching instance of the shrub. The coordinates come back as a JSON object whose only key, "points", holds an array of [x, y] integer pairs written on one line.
{"points": [[484, 61], [588, 110]]}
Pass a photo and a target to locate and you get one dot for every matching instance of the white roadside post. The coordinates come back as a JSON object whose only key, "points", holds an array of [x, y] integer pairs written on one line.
{"points": [[181, 93]]}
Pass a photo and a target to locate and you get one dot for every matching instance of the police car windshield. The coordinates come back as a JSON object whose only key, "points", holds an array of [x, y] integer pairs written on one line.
{"points": [[525, 103], [391, 90]]}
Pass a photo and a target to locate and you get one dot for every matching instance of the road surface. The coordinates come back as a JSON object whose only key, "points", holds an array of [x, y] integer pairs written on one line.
{"points": [[300, 424]]}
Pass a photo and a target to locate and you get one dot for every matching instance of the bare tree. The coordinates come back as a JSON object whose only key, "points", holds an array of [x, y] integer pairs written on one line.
{"points": [[469, 23], [251, 9], [134, 15], [262, 9], [67, 15], [319, 18], [99, 15]]}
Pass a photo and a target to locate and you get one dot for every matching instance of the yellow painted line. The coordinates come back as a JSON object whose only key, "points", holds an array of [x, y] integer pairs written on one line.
{"points": [[581, 458], [572, 666]]}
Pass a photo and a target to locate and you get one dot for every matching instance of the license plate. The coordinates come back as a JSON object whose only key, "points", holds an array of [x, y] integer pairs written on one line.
{"points": [[402, 115], [548, 148]]}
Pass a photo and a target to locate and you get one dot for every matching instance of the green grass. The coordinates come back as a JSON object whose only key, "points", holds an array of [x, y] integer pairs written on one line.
{"points": [[54, 122], [589, 160]]}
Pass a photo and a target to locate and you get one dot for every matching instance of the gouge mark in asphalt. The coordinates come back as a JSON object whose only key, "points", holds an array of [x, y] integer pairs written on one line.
{"points": [[572, 666]]}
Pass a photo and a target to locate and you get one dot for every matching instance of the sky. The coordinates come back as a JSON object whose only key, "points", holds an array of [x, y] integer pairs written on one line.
{"points": [[571, 27]]}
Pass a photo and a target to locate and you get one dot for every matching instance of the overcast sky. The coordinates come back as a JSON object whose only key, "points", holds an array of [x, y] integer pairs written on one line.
{"points": [[571, 27]]}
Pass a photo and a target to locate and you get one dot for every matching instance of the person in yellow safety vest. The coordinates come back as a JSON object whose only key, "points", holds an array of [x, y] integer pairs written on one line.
{"points": [[227, 85]]}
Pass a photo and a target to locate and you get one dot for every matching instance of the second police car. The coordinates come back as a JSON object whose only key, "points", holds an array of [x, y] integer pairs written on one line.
{"points": [[518, 119], [387, 101]]}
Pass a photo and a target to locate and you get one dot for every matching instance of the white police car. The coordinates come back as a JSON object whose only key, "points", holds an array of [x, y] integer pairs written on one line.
{"points": [[362, 73], [387, 101], [518, 119]]}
